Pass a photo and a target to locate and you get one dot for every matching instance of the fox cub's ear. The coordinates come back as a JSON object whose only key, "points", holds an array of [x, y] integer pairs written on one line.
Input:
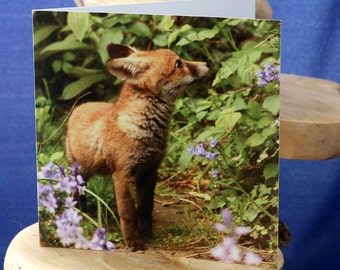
{"points": [[119, 51], [124, 65]]}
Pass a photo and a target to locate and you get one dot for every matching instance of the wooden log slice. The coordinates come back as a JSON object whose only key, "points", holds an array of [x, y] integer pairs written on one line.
{"points": [[309, 118]]}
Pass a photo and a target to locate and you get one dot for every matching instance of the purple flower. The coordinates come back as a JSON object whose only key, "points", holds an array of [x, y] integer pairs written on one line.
{"points": [[277, 122], [100, 242], [211, 155], [242, 230], [68, 229], [227, 221], [215, 173], [250, 258], [69, 202], [229, 251], [75, 168], [47, 197], [47, 171], [214, 143], [200, 151], [267, 74]]}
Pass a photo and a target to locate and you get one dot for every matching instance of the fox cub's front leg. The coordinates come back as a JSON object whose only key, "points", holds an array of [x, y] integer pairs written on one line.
{"points": [[124, 186]]}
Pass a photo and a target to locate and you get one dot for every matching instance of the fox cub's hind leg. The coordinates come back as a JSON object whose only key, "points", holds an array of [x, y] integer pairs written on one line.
{"points": [[145, 200]]}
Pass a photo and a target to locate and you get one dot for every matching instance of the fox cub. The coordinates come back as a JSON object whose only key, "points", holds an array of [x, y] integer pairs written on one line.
{"points": [[128, 139]]}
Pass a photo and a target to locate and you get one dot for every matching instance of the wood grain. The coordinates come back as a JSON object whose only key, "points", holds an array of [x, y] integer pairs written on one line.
{"points": [[309, 118]]}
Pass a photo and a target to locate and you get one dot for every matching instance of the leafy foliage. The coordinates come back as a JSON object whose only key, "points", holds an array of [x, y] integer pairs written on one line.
{"points": [[229, 105]]}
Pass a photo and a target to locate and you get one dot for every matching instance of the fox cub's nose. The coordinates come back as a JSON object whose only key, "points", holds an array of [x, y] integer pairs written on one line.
{"points": [[202, 70], [198, 69]]}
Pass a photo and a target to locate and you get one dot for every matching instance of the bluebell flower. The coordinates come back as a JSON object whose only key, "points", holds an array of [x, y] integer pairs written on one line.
{"points": [[250, 258], [67, 227], [100, 242], [69, 202], [200, 151], [47, 197], [267, 74], [214, 143], [229, 251], [47, 172], [215, 173], [277, 122]]}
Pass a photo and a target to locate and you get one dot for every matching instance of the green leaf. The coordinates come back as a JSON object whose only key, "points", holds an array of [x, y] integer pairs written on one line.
{"points": [[82, 71], [203, 196], [140, 29], [56, 156], [199, 36], [111, 36], [43, 33], [228, 67], [173, 36], [210, 133], [255, 140], [239, 104], [160, 40], [184, 159], [78, 22], [74, 89], [254, 109], [166, 23], [271, 170], [272, 104], [65, 45], [228, 120], [251, 213]]}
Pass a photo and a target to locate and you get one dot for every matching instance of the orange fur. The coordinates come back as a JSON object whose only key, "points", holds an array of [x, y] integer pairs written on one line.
{"points": [[127, 139]]}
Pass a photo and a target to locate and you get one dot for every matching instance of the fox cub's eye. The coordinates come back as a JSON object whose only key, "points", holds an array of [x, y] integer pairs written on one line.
{"points": [[179, 64]]}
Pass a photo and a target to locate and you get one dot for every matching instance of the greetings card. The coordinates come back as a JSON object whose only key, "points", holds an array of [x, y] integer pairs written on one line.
{"points": [[158, 132]]}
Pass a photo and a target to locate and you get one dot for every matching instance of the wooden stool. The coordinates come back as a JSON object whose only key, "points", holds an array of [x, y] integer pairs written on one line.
{"points": [[309, 118], [25, 253]]}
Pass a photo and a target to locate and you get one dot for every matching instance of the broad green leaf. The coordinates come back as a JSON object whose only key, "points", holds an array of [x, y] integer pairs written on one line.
{"points": [[44, 33], [173, 36], [160, 40], [228, 120], [271, 170], [82, 71], [57, 155], [65, 45], [185, 28], [166, 23], [74, 89], [272, 104], [251, 213], [210, 133], [78, 22], [198, 36], [255, 140], [114, 35], [270, 131], [265, 121], [184, 159], [223, 73], [140, 29], [254, 109], [111, 36], [239, 104]]}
